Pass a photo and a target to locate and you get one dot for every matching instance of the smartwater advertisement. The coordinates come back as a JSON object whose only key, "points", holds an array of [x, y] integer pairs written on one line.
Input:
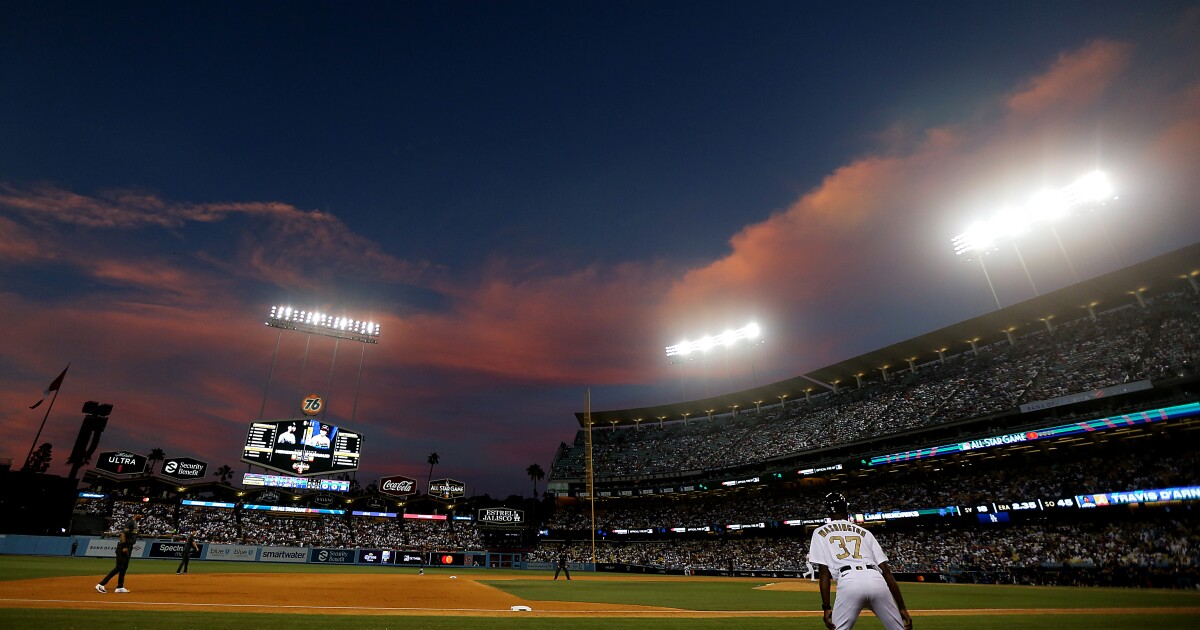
{"points": [[284, 554]]}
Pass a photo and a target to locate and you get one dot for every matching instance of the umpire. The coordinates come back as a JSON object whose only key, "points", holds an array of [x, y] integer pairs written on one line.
{"points": [[564, 560], [189, 544], [124, 551]]}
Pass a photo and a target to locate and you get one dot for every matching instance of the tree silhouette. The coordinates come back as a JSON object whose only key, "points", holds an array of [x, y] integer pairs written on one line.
{"points": [[432, 461], [536, 474], [39, 461], [156, 455], [224, 472]]}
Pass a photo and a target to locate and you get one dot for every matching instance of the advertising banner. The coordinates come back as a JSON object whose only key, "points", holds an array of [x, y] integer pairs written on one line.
{"points": [[332, 556], [107, 548], [411, 558], [398, 485], [172, 549], [374, 556], [236, 553], [284, 554], [121, 463], [184, 468], [501, 516], [447, 488]]}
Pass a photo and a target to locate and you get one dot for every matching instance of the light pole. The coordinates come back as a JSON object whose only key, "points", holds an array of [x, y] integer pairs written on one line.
{"points": [[747, 336], [316, 323], [1046, 207]]}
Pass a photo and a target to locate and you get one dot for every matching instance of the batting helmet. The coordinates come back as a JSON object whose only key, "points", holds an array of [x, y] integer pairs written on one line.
{"points": [[835, 503]]}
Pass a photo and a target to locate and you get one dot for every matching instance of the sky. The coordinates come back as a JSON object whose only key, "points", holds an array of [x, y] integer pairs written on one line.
{"points": [[533, 199]]}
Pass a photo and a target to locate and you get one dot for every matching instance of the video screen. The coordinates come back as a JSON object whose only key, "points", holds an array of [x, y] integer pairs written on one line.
{"points": [[302, 446]]}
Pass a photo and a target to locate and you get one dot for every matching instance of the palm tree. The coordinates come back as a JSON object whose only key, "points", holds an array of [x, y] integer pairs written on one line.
{"points": [[536, 474], [432, 461], [224, 472], [156, 455]]}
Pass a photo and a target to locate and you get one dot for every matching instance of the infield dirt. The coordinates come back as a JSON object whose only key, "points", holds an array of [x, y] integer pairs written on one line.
{"points": [[384, 594]]}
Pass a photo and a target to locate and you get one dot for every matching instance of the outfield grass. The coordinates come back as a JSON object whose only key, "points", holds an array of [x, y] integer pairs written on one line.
{"points": [[128, 620], [740, 595]]}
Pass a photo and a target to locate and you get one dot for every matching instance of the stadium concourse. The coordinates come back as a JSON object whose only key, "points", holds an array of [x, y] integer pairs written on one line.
{"points": [[1057, 445]]}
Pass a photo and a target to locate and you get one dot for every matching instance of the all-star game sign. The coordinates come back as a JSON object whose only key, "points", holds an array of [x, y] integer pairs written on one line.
{"points": [[447, 488]]}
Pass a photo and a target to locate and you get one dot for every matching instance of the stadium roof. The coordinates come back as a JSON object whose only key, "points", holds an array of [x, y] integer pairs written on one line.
{"points": [[1168, 272]]}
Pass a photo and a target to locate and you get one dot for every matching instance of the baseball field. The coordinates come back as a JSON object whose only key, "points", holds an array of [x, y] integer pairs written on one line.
{"points": [[43, 592]]}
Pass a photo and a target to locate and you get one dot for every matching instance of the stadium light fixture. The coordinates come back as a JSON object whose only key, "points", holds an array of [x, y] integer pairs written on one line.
{"points": [[728, 339], [318, 323], [1088, 191]]}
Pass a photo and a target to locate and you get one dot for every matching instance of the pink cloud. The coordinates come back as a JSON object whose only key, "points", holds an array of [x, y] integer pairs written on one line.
{"points": [[1074, 82], [175, 354]]}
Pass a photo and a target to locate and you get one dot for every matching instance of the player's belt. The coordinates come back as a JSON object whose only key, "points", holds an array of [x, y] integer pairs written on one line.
{"points": [[858, 567]]}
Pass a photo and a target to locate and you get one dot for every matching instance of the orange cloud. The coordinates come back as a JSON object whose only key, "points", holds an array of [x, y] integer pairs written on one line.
{"points": [[1073, 82]]}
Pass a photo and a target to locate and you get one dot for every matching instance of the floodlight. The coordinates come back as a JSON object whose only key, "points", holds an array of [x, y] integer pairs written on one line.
{"points": [[1093, 187], [323, 324], [728, 339], [1049, 205], [1045, 206]]}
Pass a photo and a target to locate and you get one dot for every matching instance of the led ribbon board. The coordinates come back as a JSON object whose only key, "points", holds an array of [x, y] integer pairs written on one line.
{"points": [[1088, 426]]}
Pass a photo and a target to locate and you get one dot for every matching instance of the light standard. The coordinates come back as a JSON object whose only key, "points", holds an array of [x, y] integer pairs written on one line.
{"points": [[316, 323], [747, 336], [1044, 207]]}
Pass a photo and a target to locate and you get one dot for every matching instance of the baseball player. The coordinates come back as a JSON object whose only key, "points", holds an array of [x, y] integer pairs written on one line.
{"points": [[563, 564], [852, 557], [189, 545], [124, 551]]}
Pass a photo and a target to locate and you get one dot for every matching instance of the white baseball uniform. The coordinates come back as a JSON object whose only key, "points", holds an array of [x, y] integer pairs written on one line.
{"points": [[853, 557]]}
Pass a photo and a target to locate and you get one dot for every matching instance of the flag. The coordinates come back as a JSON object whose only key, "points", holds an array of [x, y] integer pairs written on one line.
{"points": [[53, 387]]}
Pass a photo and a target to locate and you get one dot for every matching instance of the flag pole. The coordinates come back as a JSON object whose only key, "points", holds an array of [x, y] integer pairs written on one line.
{"points": [[39, 431]]}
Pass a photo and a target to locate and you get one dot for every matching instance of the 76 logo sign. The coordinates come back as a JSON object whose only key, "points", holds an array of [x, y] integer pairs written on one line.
{"points": [[312, 405]]}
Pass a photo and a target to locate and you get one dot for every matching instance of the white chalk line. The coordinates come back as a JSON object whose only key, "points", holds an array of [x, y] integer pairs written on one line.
{"points": [[662, 612]]}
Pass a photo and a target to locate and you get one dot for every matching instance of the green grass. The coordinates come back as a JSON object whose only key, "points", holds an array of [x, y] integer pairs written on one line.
{"points": [[129, 620], [740, 595]]}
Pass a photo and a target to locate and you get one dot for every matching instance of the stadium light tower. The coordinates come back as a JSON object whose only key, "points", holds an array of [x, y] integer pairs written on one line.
{"points": [[326, 325], [1044, 208], [745, 337]]}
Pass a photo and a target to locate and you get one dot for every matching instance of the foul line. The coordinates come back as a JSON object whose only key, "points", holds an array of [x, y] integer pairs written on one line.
{"points": [[661, 612]]}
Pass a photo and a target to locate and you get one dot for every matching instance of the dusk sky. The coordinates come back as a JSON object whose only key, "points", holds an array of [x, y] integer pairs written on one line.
{"points": [[534, 198]]}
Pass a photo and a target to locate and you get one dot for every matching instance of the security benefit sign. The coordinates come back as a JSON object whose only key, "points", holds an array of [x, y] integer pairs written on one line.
{"points": [[184, 468], [501, 516], [398, 485], [447, 488], [121, 463]]}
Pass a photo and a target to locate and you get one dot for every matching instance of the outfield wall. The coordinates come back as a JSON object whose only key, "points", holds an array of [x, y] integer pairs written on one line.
{"points": [[166, 549]]}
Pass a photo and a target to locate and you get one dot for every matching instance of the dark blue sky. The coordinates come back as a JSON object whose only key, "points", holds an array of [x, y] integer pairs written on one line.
{"points": [[536, 197]]}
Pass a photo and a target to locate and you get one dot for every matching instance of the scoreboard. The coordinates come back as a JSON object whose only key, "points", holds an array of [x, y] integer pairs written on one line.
{"points": [[302, 446]]}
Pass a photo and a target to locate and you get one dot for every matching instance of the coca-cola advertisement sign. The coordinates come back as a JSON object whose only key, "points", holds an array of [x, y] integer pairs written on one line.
{"points": [[398, 485]]}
